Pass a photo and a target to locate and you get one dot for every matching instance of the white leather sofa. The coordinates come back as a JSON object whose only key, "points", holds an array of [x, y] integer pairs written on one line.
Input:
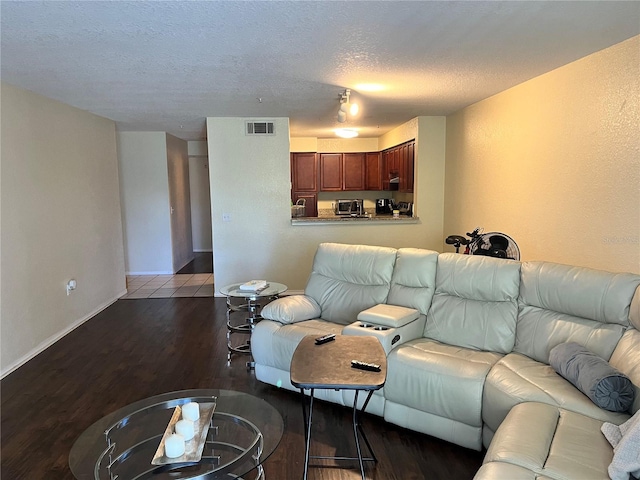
{"points": [[468, 341]]}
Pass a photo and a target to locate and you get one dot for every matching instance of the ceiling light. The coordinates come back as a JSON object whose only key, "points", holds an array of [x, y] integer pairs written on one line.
{"points": [[369, 87], [346, 106], [346, 132]]}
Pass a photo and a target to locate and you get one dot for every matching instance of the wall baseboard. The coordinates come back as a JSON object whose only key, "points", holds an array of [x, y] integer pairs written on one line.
{"points": [[51, 340], [158, 272]]}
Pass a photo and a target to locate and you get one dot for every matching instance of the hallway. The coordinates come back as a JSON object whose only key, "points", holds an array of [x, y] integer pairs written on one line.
{"points": [[194, 280]]}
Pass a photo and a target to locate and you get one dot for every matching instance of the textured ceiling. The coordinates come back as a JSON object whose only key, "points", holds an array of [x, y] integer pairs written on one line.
{"points": [[168, 65]]}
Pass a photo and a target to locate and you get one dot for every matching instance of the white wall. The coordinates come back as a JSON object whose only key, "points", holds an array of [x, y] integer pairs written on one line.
{"points": [[554, 162], [200, 196], [60, 220], [144, 193], [250, 180], [180, 201]]}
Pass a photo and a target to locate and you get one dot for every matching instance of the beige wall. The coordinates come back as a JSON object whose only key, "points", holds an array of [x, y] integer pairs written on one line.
{"points": [[250, 180], [144, 192], [180, 202], [346, 145], [60, 220], [555, 163], [200, 203]]}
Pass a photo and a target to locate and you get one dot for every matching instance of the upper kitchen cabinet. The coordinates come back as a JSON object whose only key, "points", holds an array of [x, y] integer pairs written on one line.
{"points": [[410, 166], [330, 172], [373, 171], [304, 172], [398, 163], [342, 172], [353, 171]]}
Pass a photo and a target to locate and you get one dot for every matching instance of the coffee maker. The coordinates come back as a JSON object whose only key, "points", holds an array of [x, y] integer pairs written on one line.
{"points": [[384, 206]]}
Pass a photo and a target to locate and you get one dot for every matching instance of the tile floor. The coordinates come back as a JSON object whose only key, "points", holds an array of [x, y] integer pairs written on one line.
{"points": [[164, 286]]}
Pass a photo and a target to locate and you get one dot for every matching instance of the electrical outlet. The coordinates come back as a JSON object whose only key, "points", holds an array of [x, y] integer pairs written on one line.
{"points": [[71, 285], [226, 217]]}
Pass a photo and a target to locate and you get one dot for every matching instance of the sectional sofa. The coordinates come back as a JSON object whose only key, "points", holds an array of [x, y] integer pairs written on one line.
{"points": [[468, 342]]}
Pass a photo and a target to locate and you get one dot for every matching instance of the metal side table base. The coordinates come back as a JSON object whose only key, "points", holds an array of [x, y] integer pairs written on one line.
{"points": [[357, 432], [327, 366], [251, 302]]}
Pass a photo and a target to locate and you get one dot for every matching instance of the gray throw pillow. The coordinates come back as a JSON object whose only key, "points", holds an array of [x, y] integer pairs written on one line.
{"points": [[593, 376]]}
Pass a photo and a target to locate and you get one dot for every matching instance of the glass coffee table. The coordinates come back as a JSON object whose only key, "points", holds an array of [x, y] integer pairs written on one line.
{"points": [[243, 432], [246, 301]]}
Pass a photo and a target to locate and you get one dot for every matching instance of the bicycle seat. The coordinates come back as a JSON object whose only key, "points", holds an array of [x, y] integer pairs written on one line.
{"points": [[456, 239]]}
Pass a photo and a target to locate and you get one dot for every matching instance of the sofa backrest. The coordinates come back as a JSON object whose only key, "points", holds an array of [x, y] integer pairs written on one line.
{"points": [[414, 279], [346, 279], [475, 302], [562, 303]]}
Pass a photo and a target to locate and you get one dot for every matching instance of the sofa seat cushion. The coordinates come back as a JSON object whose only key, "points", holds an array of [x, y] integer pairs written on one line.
{"points": [[517, 378], [551, 442], [439, 379], [273, 344]]}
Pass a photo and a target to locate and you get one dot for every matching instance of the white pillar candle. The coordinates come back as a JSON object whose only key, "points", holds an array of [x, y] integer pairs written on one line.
{"points": [[191, 411], [186, 429], [174, 446]]}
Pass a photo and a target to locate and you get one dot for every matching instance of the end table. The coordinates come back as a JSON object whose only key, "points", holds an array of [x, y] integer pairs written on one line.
{"points": [[247, 301], [328, 366]]}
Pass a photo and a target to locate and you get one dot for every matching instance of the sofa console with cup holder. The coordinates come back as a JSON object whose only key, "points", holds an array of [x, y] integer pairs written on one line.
{"points": [[470, 352]]}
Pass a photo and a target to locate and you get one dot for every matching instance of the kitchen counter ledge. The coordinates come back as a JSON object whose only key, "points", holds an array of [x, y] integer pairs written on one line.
{"points": [[379, 220]]}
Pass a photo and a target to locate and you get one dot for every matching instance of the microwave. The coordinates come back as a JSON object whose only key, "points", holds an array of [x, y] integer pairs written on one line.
{"points": [[349, 207]]}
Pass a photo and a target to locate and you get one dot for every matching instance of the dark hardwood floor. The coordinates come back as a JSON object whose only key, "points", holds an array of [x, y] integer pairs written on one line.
{"points": [[138, 348], [202, 263]]}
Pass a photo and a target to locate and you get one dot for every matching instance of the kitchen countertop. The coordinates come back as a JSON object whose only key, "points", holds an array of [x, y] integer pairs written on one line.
{"points": [[337, 219]]}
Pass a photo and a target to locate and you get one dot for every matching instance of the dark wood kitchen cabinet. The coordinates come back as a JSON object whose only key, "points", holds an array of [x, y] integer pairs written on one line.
{"points": [[373, 171], [330, 172], [342, 172], [410, 167], [398, 167], [310, 202], [304, 181], [304, 172], [353, 171]]}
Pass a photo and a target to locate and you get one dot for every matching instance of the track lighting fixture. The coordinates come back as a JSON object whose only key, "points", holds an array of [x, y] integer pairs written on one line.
{"points": [[346, 107]]}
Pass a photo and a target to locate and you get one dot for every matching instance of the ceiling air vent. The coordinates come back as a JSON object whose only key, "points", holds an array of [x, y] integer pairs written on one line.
{"points": [[260, 128]]}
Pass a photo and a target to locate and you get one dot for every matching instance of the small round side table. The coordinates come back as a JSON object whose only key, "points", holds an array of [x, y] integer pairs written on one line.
{"points": [[247, 301]]}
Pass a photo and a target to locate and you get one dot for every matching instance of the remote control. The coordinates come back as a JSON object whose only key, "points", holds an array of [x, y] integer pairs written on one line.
{"points": [[365, 366], [325, 338]]}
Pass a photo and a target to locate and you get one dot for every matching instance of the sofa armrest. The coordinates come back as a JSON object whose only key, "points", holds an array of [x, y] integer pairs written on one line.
{"points": [[390, 337], [291, 309]]}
